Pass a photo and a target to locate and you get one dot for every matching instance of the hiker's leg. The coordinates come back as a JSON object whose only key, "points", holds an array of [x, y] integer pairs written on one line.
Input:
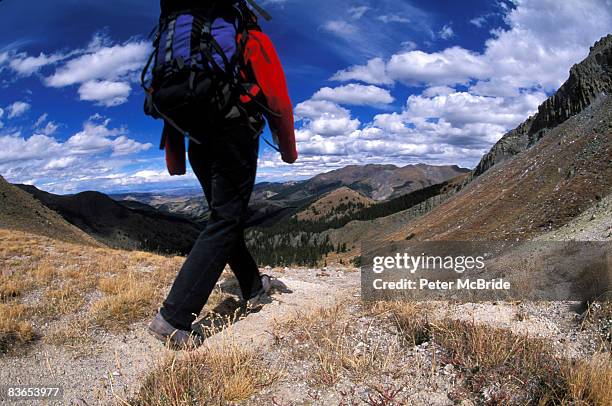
{"points": [[232, 156], [245, 268], [240, 260]]}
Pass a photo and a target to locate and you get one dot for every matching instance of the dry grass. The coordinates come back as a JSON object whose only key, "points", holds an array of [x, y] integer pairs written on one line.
{"points": [[44, 280], [62, 300], [126, 299], [590, 381], [512, 369], [342, 347], [10, 289], [74, 334], [410, 318], [598, 318], [482, 346], [336, 345], [212, 375], [14, 329]]}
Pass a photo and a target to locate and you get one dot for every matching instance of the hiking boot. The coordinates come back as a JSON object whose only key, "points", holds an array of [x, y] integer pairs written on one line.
{"points": [[172, 337], [263, 296], [266, 283]]}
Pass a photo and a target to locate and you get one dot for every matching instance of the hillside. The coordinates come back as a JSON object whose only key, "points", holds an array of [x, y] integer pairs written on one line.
{"points": [[187, 203], [20, 211], [549, 180], [378, 182], [336, 203], [541, 189], [133, 226], [544, 188]]}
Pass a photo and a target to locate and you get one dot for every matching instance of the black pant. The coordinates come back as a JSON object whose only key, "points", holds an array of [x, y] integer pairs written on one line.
{"points": [[226, 165]]}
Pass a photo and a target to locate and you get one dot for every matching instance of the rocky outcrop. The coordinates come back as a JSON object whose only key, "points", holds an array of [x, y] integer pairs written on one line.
{"points": [[587, 81]]}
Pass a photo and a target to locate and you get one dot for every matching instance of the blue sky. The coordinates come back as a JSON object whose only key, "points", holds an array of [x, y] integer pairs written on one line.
{"points": [[372, 81]]}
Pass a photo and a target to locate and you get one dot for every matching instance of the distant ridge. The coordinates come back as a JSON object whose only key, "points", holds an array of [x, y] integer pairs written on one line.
{"points": [[133, 226], [378, 182], [20, 211]]}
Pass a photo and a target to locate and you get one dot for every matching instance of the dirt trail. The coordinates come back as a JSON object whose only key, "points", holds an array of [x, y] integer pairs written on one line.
{"points": [[112, 368], [304, 290]]}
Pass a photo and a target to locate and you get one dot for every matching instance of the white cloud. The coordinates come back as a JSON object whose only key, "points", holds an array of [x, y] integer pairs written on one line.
{"points": [[105, 92], [340, 28], [102, 70], [462, 108], [1, 112], [49, 129], [438, 90], [358, 12], [40, 121], [17, 109], [499, 88], [60, 163], [542, 42], [27, 65], [409, 45], [323, 118], [393, 18], [14, 148], [313, 109], [446, 32], [91, 158], [123, 145], [40, 127], [374, 72], [106, 63], [95, 138], [443, 127], [450, 66], [354, 94], [478, 21]]}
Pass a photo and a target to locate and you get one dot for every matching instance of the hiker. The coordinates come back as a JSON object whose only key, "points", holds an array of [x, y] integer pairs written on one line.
{"points": [[216, 78]]}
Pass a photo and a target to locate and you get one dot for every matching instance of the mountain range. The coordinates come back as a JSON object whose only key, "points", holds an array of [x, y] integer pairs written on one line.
{"points": [[170, 222]]}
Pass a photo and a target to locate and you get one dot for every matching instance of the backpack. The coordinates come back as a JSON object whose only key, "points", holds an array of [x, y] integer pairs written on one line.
{"points": [[196, 64]]}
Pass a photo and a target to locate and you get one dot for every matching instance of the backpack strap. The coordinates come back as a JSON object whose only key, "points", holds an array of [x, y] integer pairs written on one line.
{"points": [[170, 40], [260, 10]]}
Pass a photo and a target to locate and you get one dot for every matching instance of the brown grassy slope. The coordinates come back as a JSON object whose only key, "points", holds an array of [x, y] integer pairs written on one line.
{"points": [[60, 291], [335, 200], [359, 231], [540, 189], [20, 211]]}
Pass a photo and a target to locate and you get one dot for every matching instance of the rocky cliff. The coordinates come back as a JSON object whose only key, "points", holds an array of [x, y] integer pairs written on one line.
{"points": [[587, 81]]}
